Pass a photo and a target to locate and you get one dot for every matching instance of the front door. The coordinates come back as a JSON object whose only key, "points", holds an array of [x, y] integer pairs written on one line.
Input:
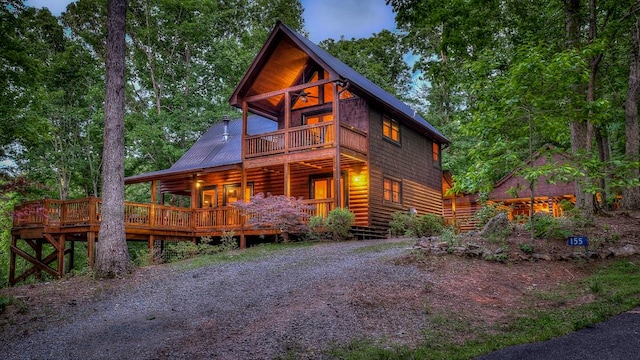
{"points": [[322, 188]]}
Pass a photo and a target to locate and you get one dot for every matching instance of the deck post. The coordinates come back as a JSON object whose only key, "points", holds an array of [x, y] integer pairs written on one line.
{"points": [[243, 241], [38, 250], [60, 249], [150, 243], [12, 260], [336, 165], [154, 189], [72, 255], [287, 179], [91, 246]]}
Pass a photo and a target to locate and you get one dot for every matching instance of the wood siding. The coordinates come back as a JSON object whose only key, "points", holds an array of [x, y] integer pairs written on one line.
{"points": [[409, 162]]}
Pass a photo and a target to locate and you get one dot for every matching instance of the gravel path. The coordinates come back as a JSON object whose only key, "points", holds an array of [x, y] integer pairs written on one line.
{"points": [[296, 303]]}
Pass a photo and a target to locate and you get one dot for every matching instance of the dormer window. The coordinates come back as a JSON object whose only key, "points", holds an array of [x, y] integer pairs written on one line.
{"points": [[390, 129]]}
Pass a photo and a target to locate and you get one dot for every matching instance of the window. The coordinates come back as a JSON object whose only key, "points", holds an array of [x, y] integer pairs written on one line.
{"points": [[390, 129], [317, 117], [435, 151], [209, 197], [232, 192], [392, 190]]}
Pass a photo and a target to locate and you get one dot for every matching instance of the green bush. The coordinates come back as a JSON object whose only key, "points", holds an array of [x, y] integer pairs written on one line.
{"points": [[317, 229], [400, 222], [339, 222], [545, 226], [486, 213], [407, 224]]}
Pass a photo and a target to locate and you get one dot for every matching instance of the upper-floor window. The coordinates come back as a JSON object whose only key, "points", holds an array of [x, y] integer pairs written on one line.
{"points": [[392, 190], [390, 129], [435, 152]]}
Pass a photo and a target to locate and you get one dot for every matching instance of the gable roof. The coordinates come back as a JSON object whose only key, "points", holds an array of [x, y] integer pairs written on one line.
{"points": [[209, 151], [344, 72]]}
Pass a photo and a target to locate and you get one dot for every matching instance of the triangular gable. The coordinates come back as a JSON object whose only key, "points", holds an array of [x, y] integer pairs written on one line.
{"points": [[285, 56], [502, 187]]}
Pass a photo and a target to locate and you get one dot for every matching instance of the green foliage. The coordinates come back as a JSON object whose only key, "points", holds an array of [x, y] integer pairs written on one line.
{"points": [[545, 226], [4, 302], [339, 222], [526, 248], [317, 229], [408, 224], [487, 212]]}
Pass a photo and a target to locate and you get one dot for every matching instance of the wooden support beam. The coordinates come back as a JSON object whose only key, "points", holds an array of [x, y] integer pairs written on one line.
{"points": [[243, 241], [12, 260], [60, 252], [91, 248], [336, 166]]}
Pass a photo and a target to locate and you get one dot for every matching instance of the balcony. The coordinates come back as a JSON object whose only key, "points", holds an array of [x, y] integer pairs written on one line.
{"points": [[305, 138]]}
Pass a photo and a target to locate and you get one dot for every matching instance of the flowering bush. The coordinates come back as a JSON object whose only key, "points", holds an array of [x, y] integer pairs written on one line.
{"points": [[282, 213]]}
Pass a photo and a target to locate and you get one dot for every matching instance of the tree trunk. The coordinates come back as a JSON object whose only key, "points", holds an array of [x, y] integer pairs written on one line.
{"points": [[631, 195], [580, 130], [113, 258]]}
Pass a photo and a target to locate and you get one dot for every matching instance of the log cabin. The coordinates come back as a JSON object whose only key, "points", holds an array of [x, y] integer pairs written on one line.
{"points": [[512, 193], [309, 127]]}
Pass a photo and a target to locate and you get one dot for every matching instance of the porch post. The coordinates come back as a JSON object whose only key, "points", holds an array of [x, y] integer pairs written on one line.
{"points": [[91, 245], [154, 189], [287, 179], [245, 117], [61, 249], [336, 163]]}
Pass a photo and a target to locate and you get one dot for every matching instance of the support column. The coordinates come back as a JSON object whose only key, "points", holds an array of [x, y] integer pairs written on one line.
{"points": [[12, 260], [287, 179], [336, 163], [61, 248], [91, 248], [72, 255], [243, 241]]}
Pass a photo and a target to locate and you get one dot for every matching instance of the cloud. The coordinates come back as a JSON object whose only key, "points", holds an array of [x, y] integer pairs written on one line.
{"points": [[349, 18]]}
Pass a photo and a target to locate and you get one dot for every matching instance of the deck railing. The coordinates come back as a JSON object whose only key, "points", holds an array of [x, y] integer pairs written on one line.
{"points": [[87, 211], [306, 137]]}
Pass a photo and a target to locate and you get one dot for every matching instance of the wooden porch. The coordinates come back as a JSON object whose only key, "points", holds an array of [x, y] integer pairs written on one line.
{"points": [[58, 222]]}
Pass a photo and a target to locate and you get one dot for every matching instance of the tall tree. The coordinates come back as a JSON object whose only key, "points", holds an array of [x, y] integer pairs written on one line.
{"points": [[631, 195], [113, 257]]}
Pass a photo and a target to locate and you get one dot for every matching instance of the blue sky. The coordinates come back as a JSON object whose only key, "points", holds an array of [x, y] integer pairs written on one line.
{"points": [[323, 18]]}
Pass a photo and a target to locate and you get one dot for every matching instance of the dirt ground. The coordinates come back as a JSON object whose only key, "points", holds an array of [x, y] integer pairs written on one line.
{"points": [[481, 292]]}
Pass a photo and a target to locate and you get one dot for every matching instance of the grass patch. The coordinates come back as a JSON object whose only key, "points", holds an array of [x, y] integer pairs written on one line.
{"points": [[613, 289], [252, 253]]}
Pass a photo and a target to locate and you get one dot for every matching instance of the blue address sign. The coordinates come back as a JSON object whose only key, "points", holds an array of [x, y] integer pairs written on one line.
{"points": [[577, 241]]}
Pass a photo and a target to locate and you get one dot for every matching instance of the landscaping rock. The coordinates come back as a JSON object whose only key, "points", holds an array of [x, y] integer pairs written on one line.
{"points": [[497, 224], [625, 251], [545, 257]]}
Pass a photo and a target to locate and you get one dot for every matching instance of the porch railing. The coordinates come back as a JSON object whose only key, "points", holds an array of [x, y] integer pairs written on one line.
{"points": [[307, 137], [87, 212]]}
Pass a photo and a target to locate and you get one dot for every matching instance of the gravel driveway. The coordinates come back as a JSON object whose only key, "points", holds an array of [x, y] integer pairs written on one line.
{"points": [[297, 303]]}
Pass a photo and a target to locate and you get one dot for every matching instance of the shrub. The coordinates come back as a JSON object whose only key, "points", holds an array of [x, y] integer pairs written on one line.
{"points": [[281, 213], [546, 226], [400, 222], [486, 213], [339, 222], [428, 225], [317, 228], [408, 224]]}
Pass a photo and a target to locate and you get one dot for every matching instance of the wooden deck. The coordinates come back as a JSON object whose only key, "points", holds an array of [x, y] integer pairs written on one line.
{"points": [[57, 222]]}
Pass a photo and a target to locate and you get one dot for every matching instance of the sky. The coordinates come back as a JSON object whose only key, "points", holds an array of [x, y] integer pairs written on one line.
{"points": [[323, 18]]}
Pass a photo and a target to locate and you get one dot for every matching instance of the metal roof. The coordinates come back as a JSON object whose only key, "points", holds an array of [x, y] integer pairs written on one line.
{"points": [[367, 85], [210, 151]]}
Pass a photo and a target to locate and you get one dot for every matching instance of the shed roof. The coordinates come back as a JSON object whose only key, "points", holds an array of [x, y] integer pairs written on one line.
{"points": [[210, 151]]}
